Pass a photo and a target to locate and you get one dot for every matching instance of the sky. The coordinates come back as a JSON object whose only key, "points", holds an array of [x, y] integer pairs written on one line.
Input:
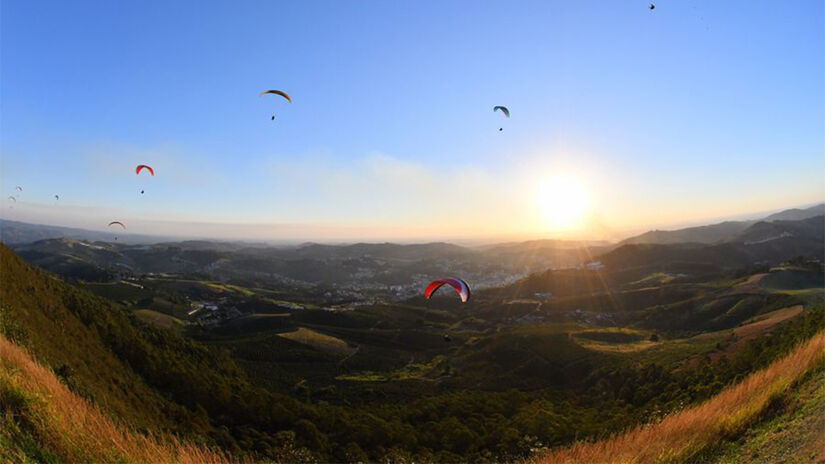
{"points": [[623, 118]]}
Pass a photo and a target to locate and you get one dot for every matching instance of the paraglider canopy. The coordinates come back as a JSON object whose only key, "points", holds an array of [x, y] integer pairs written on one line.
{"points": [[459, 285], [276, 92], [19, 188], [56, 197], [652, 6], [12, 198], [118, 223], [503, 109], [141, 167]]}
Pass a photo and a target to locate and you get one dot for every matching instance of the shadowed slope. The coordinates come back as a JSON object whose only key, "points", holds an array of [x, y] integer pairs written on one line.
{"points": [[43, 421]]}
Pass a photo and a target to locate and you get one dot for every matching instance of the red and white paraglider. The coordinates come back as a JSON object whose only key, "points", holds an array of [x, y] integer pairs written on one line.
{"points": [[459, 285]]}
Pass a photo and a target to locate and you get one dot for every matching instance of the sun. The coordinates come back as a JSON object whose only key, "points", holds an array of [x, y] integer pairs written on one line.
{"points": [[563, 202]]}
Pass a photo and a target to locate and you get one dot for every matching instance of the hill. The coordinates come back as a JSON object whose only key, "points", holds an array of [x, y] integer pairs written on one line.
{"points": [[721, 232], [431, 380], [797, 214], [700, 234], [697, 432], [367, 270], [143, 376], [762, 242], [43, 421], [804, 230], [15, 232]]}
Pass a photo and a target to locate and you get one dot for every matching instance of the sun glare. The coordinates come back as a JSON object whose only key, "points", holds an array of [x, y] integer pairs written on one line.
{"points": [[563, 202]]}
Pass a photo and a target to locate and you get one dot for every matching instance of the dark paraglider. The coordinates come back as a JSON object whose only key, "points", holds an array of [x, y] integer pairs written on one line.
{"points": [[505, 111], [275, 92], [652, 6]]}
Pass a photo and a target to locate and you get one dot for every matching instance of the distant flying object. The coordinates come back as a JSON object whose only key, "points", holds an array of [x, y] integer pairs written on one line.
{"points": [[141, 192], [19, 188], [459, 285], [12, 198], [273, 117], [504, 110], [276, 92], [141, 167], [652, 6], [56, 197], [118, 223]]}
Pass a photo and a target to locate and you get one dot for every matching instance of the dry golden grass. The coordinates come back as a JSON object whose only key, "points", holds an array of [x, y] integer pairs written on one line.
{"points": [[74, 430], [682, 434]]}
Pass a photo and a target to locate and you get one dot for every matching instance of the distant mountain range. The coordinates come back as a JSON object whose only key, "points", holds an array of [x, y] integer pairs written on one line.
{"points": [[721, 232], [762, 242], [14, 232]]}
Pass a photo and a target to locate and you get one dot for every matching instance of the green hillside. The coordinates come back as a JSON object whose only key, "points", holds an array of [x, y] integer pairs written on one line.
{"points": [[147, 377], [496, 390]]}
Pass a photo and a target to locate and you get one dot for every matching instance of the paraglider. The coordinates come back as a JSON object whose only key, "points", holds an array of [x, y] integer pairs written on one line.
{"points": [[276, 92], [505, 111], [459, 285], [19, 188], [56, 197], [12, 198], [141, 167], [118, 223], [652, 6]]}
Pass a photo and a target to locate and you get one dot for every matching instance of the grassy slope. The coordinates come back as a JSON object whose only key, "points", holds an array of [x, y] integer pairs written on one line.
{"points": [[41, 420], [793, 431], [159, 319], [149, 378], [34, 312], [686, 434]]}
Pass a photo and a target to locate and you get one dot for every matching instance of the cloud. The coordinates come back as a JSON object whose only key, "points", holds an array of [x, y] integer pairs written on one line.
{"points": [[380, 189]]}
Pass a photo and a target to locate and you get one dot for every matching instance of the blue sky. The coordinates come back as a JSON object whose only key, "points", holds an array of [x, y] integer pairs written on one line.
{"points": [[693, 111]]}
